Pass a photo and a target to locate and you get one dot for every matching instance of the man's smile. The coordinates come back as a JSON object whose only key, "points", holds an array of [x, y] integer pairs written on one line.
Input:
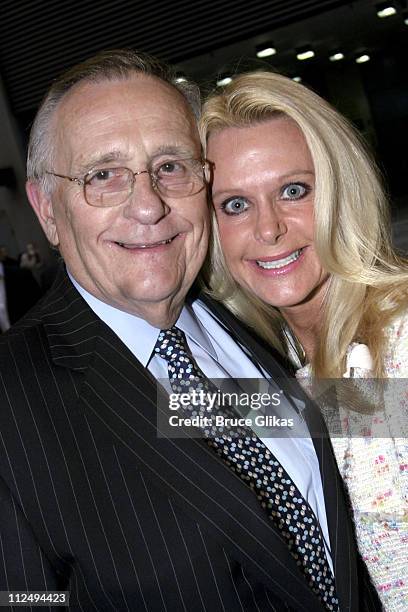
{"points": [[146, 245]]}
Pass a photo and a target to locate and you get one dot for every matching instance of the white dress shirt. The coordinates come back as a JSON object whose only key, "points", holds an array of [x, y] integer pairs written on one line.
{"points": [[219, 356]]}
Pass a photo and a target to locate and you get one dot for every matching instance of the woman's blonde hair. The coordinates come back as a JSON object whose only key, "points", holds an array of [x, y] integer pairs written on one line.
{"points": [[368, 280]]}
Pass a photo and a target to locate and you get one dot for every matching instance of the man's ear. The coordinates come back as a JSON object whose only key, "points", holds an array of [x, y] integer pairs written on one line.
{"points": [[43, 208]]}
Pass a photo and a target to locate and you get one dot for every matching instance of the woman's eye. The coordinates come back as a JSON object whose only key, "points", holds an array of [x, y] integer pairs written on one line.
{"points": [[295, 191], [234, 206]]}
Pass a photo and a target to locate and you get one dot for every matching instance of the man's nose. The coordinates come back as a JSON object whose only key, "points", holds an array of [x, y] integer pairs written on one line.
{"points": [[145, 204], [270, 223]]}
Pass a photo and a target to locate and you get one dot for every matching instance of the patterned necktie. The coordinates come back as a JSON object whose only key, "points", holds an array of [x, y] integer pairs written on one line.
{"points": [[250, 459]]}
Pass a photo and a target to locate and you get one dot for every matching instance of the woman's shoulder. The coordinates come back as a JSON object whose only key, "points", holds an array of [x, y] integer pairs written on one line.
{"points": [[358, 358], [396, 354]]}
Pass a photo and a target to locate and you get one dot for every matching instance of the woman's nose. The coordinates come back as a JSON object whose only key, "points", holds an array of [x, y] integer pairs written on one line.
{"points": [[270, 223]]}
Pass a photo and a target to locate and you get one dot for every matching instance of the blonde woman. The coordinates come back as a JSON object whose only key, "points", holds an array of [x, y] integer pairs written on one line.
{"points": [[301, 253]]}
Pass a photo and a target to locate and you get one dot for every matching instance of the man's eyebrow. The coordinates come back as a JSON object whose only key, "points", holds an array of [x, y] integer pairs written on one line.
{"points": [[101, 159], [115, 155], [180, 151]]}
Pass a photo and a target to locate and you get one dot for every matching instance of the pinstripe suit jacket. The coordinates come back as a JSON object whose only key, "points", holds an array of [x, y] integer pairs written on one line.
{"points": [[93, 502]]}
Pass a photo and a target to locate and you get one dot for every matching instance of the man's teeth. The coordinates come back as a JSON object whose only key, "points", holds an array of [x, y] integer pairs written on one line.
{"points": [[143, 246], [280, 263]]}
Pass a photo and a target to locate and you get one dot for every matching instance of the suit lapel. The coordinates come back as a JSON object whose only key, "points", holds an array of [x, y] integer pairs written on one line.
{"points": [[119, 397], [186, 470]]}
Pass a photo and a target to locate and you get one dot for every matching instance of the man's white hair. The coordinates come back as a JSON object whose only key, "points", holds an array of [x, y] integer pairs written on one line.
{"points": [[107, 65]]}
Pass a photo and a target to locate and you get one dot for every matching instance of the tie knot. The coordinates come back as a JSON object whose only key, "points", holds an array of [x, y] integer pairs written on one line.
{"points": [[171, 344]]}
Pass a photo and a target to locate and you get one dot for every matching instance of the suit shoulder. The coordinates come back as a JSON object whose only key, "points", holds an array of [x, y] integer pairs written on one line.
{"points": [[26, 336]]}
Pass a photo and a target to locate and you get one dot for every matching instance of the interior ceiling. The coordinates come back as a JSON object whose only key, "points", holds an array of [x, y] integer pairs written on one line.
{"points": [[39, 39]]}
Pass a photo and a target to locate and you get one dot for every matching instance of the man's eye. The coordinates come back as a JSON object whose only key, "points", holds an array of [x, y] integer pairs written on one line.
{"points": [[234, 206], [102, 175], [295, 191], [171, 167]]}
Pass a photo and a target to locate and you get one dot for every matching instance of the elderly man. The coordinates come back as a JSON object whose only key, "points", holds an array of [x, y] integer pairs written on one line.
{"points": [[93, 501]]}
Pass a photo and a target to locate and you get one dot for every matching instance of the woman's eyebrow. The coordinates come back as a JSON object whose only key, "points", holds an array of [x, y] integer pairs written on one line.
{"points": [[297, 171]]}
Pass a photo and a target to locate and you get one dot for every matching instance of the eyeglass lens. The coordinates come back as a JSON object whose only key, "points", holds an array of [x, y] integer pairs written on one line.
{"points": [[112, 186]]}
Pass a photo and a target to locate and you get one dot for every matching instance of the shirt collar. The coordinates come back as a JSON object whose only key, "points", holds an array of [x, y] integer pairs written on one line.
{"points": [[193, 328], [137, 334]]}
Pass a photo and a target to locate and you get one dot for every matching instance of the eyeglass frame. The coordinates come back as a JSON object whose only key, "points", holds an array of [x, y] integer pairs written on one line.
{"points": [[205, 164]]}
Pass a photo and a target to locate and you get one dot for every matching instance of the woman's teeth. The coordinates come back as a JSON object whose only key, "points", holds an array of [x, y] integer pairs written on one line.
{"points": [[280, 263]]}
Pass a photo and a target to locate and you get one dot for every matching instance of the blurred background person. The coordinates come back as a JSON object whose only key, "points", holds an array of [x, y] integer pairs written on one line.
{"points": [[30, 258], [301, 253], [5, 257], [19, 290], [4, 317]]}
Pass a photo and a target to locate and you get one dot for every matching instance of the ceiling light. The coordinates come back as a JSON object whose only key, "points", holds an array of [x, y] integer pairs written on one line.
{"points": [[336, 57], [180, 79], [386, 10], [298, 79], [265, 50], [304, 54], [224, 80], [362, 59]]}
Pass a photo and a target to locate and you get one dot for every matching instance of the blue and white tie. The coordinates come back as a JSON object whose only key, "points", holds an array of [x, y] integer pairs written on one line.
{"points": [[250, 459]]}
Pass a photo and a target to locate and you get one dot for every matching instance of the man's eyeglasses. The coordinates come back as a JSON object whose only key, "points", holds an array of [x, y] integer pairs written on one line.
{"points": [[173, 178]]}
